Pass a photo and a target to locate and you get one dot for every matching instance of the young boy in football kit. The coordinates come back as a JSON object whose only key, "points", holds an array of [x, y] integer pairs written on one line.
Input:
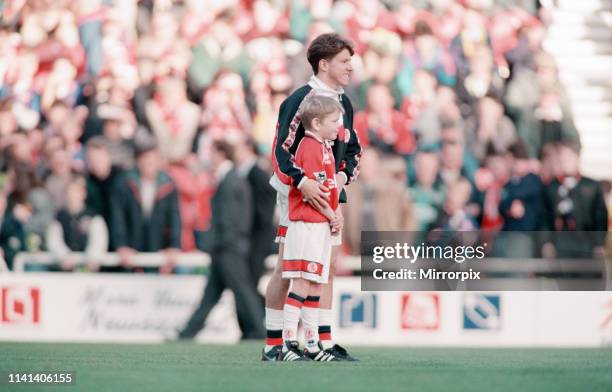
{"points": [[329, 56], [308, 241]]}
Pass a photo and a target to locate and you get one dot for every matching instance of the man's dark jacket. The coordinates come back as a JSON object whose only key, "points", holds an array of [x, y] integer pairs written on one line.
{"points": [[347, 150], [231, 221], [132, 228]]}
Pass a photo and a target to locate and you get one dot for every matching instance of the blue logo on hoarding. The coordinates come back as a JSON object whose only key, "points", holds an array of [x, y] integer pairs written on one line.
{"points": [[482, 311], [357, 310]]}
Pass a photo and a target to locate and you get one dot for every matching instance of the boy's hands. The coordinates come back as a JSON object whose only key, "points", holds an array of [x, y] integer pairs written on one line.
{"points": [[337, 223], [317, 196]]}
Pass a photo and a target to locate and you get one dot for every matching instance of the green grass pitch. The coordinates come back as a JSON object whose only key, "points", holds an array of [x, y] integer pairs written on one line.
{"points": [[195, 367]]}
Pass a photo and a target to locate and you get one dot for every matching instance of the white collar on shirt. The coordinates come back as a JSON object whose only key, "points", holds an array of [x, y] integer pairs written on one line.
{"points": [[327, 143], [324, 89]]}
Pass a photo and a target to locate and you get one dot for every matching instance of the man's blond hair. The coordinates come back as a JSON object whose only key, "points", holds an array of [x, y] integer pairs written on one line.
{"points": [[317, 106]]}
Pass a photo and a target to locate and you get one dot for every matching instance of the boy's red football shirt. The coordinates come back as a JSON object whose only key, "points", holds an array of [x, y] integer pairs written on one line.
{"points": [[315, 158]]}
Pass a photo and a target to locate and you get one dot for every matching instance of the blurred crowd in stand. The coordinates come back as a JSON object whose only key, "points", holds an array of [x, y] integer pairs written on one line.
{"points": [[110, 110]]}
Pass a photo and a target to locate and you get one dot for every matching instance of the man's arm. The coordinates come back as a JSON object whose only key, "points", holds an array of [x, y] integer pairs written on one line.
{"points": [[352, 155], [286, 130]]}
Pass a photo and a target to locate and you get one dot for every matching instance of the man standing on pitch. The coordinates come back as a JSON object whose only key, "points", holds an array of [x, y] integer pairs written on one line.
{"points": [[330, 58]]}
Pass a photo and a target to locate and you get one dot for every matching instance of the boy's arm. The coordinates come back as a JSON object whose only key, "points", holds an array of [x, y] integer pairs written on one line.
{"points": [[328, 212]]}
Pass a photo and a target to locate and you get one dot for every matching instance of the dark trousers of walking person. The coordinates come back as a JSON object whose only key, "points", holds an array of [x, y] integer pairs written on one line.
{"points": [[229, 270], [256, 265]]}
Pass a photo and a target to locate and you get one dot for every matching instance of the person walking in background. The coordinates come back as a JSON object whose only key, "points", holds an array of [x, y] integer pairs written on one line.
{"points": [[229, 247], [263, 200]]}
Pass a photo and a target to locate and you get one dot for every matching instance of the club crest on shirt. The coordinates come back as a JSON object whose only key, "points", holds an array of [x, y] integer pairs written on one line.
{"points": [[321, 177]]}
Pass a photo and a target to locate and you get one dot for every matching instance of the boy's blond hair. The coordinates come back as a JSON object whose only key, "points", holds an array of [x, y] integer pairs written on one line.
{"points": [[317, 106]]}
